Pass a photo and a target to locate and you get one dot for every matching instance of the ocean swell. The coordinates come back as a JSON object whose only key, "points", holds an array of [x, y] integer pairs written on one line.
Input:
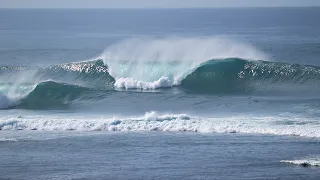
{"points": [[192, 65], [72, 82]]}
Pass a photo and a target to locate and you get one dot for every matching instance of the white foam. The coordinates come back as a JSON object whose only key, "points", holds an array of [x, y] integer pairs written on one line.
{"points": [[130, 83], [304, 162], [141, 63], [153, 121], [8, 140]]}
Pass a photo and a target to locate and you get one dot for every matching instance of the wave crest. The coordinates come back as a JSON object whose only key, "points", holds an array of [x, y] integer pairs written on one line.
{"points": [[148, 60]]}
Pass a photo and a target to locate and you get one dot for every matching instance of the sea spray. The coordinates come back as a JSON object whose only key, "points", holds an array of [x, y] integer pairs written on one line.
{"points": [[147, 61]]}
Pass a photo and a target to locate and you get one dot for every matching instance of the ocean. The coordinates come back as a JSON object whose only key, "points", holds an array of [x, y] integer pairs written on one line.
{"points": [[213, 93]]}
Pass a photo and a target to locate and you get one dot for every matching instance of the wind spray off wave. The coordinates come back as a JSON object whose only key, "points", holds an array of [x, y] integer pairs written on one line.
{"points": [[156, 63]]}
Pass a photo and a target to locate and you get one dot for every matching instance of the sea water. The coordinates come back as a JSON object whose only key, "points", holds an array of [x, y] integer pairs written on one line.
{"points": [[227, 93]]}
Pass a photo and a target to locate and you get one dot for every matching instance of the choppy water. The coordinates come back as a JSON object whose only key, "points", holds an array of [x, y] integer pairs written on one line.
{"points": [[253, 72]]}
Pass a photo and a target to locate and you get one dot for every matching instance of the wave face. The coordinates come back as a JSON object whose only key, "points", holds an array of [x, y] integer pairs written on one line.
{"points": [[51, 94], [236, 75]]}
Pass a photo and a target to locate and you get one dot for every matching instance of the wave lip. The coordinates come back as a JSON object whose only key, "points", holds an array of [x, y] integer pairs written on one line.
{"points": [[315, 162], [90, 74]]}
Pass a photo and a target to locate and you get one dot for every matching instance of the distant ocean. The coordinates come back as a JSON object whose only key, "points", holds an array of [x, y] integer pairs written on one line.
{"points": [[230, 93]]}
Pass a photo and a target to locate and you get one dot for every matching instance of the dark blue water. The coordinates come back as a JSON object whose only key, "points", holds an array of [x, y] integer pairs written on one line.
{"points": [[286, 34], [154, 156], [218, 93]]}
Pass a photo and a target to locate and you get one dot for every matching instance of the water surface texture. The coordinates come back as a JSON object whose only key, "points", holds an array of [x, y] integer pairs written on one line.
{"points": [[160, 93]]}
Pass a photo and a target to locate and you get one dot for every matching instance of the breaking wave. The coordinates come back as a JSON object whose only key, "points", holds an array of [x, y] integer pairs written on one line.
{"points": [[87, 80], [196, 65], [52, 86], [157, 63]]}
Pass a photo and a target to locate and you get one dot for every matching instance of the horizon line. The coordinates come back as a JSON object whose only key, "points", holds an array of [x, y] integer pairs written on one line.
{"points": [[213, 7]]}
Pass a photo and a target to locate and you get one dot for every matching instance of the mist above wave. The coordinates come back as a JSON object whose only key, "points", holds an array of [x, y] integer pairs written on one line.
{"points": [[145, 62]]}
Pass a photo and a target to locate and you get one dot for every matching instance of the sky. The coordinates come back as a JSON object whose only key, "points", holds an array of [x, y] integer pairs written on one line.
{"points": [[152, 3]]}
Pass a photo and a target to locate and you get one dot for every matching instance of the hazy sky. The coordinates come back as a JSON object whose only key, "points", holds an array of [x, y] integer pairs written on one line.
{"points": [[151, 3]]}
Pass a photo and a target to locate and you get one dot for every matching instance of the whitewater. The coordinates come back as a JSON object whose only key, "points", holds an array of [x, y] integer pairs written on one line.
{"points": [[154, 121], [160, 94]]}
